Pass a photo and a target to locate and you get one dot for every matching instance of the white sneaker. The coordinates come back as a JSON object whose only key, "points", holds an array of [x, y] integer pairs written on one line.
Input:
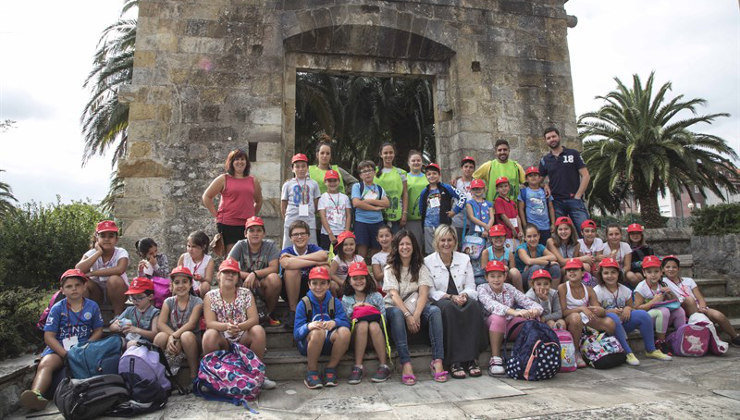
{"points": [[496, 366], [269, 383]]}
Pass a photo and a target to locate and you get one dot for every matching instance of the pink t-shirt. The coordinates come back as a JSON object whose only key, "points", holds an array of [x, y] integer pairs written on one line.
{"points": [[237, 201]]}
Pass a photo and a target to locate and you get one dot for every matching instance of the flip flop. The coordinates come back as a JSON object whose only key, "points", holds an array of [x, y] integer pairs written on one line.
{"points": [[408, 380], [438, 376]]}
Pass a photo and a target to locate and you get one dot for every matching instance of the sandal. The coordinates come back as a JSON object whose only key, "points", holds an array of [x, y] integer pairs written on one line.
{"points": [[438, 376], [457, 371], [473, 369], [408, 380]]}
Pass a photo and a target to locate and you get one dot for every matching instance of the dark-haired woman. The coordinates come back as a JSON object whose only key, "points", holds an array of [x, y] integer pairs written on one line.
{"points": [[241, 198], [393, 181], [407, 282], [323, 164]]}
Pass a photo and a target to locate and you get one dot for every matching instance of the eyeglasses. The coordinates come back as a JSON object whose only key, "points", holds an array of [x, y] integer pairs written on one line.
{"points": [[138, 298], [298, 234]]}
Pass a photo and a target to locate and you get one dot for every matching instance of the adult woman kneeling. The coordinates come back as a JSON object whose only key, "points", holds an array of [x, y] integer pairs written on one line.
{"points": [[407, 282], [454, 293]]}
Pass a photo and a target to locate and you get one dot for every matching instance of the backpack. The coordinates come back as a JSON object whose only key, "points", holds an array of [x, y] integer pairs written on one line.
{"points": [[56, 297], [95, 357], [567, 351], [235, 376], [145, 396], [161, 291], [309, 308], [536, 353], [602, 351], [689, 340], [82, 399], [143, 361], [716, 345]]}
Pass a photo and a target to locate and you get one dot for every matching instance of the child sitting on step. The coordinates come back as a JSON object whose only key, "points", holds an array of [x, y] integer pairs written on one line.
{"points": [[321, 327], [547, 297], [656, 297], [140, 320], [499, 251]]}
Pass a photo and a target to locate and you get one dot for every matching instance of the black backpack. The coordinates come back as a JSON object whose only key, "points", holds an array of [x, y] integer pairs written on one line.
{"points": [[82, 399], [145, 397]]}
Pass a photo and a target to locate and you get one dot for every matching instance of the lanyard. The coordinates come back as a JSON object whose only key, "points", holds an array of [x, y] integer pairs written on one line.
{"points": [[304, 190], [196, 266], [336, 205], [77, 317], [137, 318], [180, 320]]}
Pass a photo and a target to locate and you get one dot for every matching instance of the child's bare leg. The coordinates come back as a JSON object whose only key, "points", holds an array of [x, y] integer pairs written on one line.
{"points": [[205, 287], [690, 306], [550, 323], [213, 340], [376, 334], [313, 351], [340, 344], [271, 286], [360, 334], [495, 339], [516, 279], [48, 365], [603, 324], [190, 347], [721, 319], [116, 289], [94, 292], [256, 340], [362, 250], [292, 287], [160, 340], [575, 326]]}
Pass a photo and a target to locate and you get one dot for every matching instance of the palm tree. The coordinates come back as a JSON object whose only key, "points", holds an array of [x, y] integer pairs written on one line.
{"points": [[640, 145], [6, 198], [104, 119]]}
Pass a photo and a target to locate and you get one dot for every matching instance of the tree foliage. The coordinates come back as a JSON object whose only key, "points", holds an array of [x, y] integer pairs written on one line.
{"points": [[641, 144]]}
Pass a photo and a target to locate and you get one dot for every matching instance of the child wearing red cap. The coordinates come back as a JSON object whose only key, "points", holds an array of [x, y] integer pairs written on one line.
{"points": [[321, 327], [345, 253], [531, 256], [335, 211], [616, 298], [140, 320], [500, 252], [478, 210], [547, 297], [105, 264], [636, 240], [564, 243], [366, 308], [299, 199], [535, 206], [506, 212], [500, 302], [590, 246], [581, 306], [74, 320], [615, 248], [437, 205]]}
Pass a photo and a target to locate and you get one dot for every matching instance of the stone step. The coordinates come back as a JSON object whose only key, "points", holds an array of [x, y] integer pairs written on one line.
{"points": [[728, 305], [712, 287]]}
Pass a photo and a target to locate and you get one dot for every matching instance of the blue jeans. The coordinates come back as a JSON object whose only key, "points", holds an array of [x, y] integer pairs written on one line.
{"points": [[638, 319], [431, 315], [573, 208], [553, 269]]}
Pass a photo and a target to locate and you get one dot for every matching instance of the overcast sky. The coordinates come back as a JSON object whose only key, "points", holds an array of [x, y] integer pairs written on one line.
{"points": [[46, 49]]}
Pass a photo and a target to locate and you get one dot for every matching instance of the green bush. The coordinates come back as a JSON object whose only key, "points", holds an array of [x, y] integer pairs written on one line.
{"points": [[20, 309], [716, 220], [39, 242]]}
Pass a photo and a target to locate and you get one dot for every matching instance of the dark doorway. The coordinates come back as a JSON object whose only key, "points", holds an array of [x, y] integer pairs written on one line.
{"points": [[360, 113]]}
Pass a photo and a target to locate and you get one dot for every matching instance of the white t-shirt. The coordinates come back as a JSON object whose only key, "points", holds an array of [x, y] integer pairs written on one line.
{"points": [[685, 289], [609, 300], [596, 246], [200, 268], [623, 251], [462, 187], [118, 253], [336, 206], [379, 258], [343, 267], [644, 290], [298, 193]]}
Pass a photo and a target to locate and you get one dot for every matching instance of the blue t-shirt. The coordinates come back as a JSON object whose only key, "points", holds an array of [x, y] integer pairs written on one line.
{"points": [[519, 263], [536, 207], [432, 214], [367, 216], [139, 319], [481, 211], [67, 323], [310, 249], [562, 172]]}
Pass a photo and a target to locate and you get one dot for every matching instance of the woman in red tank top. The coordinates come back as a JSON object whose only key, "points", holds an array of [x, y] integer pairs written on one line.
{"points": [[241, 198]]}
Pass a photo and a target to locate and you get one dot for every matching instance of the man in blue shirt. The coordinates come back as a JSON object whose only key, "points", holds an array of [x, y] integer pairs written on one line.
{"points": [[568, 178]]}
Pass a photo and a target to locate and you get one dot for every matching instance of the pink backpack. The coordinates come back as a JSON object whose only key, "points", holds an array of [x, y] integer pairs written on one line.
{"points": [[56, 297], [567, 351], [716, 345], [690, 340], [161, 290], [235, 376]]}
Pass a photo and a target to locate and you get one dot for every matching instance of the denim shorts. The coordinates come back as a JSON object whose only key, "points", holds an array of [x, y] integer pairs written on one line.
{"points": [[367, 234]]}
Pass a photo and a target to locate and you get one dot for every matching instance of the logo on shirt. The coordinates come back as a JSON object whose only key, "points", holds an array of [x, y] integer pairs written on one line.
{"points": [[87, 316]]}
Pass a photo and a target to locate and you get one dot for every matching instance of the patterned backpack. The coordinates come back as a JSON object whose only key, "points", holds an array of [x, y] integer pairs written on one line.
{"points": [[536, 353], [602, 351], [235, 376], [567, 351]]}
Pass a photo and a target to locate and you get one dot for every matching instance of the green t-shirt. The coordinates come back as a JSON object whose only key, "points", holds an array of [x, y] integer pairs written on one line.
{"points": [[317, 174], [494, 169], [392, 182], [415, 185]]}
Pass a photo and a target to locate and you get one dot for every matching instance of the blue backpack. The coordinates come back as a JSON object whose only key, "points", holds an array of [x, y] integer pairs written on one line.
{"points": [[95, 357], [536, 353]]}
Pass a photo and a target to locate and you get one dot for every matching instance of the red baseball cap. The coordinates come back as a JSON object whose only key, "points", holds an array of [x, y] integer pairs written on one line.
{"points": [[495, 265], [183, 271], [573, 263], [609, 262], [139, 285], [467, 159], [588, 223], [634, 227], [254, 221], [671, 258], [477, 183], [318, 272], [357, 269], [532, 170], [229, 264], [651, 261], [344, 235], [433, 166], [299, 157], [501, 180], [73, 272], [497, 230], [539, 274], [106, 226], [331, 174], [563, 220]]}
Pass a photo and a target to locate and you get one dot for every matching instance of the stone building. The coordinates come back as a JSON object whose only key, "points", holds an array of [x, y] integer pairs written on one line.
{"points": [[214, 75]]}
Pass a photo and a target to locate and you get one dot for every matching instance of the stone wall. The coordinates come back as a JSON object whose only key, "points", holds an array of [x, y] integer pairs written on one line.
{"points": [[718, 257], [214, 75], [667, 241]]}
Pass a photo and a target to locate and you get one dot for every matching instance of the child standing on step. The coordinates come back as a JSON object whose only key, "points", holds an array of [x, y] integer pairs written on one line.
{"points": [[581, 306], [500, 252], [197, 260], [366, 308], [535, 206], [385, 238], [321, 327], [369, 201], [651, 295], [479, 211], [335, 211], [73, 320], [693, 297], [345, 256], [179, 321], [416, 181], [636, 240], [138, 321], [436, 205], [506, 213], [616, 298], [299, 199]]}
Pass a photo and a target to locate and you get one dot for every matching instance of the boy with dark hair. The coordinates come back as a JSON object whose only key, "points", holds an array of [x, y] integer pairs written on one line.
{"points": [[136, 321]]}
